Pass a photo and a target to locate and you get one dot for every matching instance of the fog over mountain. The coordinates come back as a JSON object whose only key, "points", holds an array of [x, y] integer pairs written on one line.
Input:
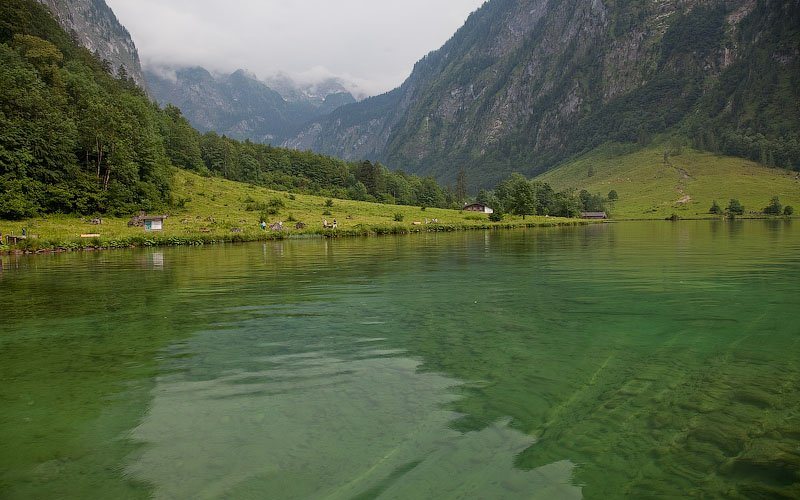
{"points": [[370, 45], [241, 106]]}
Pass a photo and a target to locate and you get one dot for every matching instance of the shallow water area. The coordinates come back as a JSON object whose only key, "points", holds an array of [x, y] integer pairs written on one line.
{"points": [[649, 359]]}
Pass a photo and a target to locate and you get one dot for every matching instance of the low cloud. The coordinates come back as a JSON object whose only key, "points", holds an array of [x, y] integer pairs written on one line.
{"points": [[370, 45]]}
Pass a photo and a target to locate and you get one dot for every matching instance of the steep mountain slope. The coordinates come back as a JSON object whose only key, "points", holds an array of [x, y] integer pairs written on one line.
{"points": [[240, 106], [94, 25], [526, 84]]}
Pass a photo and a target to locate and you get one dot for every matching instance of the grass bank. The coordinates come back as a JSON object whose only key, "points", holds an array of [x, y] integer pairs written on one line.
{"points": [[212, 210], [661, 180]]}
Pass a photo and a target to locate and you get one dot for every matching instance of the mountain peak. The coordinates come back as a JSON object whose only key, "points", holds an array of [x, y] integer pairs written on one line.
{"points": [[240, 105]]}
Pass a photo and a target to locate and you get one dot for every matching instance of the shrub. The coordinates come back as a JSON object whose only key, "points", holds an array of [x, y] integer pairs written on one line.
{"points": [[496, 216], [398, 217], [326, 212], [270, 208], [788, 210], [274, 206], [612, 195], [774, 208], [715, 208], [734, 207], [329, 203]]}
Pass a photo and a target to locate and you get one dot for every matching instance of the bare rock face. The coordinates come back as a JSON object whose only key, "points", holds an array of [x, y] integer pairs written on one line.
{"points": [[526, 83], [94, 26]]}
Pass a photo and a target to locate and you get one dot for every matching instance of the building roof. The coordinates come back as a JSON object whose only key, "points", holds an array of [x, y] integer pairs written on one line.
{"points": [[593, 215]]}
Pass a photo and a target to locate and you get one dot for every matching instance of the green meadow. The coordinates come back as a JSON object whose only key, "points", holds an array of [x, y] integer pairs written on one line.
{"points": [[214, 210], [658, 181], [651, 183]]}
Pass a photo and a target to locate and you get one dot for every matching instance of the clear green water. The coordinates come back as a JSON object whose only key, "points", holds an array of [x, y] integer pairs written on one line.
{"points": [[624, 360]]}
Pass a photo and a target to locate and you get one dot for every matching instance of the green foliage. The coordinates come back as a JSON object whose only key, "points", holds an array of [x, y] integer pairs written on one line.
{"points": [[715, 208], [788, 210], [774, 207], [734, 207], [328, 202], [612, 195], [398, 217], [496, 216], [517, 195], [72, 138], [520, 196], [181, 141], [591, 202], [752, 111]]}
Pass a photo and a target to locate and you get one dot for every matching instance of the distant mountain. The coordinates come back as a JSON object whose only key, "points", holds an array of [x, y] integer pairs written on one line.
{"points": [[93, 25], [527, 84], [241, 106]]}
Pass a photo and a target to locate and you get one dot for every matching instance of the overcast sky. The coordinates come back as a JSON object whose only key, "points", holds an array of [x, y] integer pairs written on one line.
{"points": [[372, 44]]}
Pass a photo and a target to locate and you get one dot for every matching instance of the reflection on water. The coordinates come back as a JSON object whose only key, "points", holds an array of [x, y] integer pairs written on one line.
{"points": [[639, 360], [316, 425]]}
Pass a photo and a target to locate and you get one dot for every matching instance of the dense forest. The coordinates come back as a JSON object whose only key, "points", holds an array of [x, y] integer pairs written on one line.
{"points": [[75, 139]]}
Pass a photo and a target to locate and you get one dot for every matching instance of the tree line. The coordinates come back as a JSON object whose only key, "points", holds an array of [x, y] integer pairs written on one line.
{"points": [[518, 195], [298, 171], [76, 139]]}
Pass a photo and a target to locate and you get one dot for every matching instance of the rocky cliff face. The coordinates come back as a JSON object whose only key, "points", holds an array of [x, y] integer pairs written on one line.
{"points": [[243, 107], [526, 83], [94, 25]]}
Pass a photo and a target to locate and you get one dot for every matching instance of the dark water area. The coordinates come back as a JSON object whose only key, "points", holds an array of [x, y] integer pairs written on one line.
{"points": [[620, 360]]}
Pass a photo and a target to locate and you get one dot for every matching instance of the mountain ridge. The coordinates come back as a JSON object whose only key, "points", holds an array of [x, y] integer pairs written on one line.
{"points": [[95, 26], [526, 84], [241, 106]]}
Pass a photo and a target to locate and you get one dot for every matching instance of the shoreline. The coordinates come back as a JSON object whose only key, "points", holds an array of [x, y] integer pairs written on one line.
{"points": [[32, 246], [151, 240]]}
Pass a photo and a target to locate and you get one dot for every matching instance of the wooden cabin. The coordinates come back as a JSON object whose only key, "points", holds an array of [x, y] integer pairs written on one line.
{"points": [[594, 215], [478, 207]]}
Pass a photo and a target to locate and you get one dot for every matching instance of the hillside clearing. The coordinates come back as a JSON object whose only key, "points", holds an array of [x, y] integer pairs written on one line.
{"points": [[652, 184], [213, 210]]}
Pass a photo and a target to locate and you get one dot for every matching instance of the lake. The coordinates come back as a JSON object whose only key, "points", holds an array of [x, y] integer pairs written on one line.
{"points": [[650, 359]]}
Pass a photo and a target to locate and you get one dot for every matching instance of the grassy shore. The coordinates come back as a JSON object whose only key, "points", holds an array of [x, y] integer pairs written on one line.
{"points": [[213, 210]]}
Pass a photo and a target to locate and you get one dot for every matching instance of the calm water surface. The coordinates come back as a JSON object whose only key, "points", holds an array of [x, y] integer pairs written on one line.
{"points": [[619, 360]]}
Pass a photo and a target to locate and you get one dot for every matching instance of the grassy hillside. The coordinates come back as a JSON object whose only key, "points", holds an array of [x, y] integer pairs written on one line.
{"points": [[652, 184], [209, 209]]}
